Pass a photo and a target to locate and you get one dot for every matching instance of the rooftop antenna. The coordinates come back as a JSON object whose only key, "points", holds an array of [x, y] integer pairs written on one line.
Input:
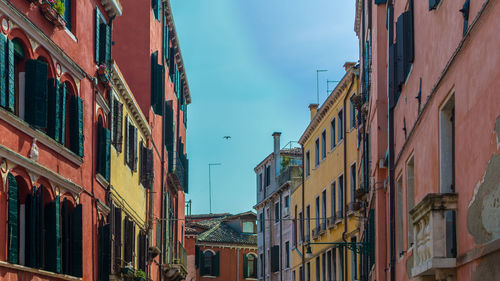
{"points": [[188, 208], [317, 82], [328, 85]]}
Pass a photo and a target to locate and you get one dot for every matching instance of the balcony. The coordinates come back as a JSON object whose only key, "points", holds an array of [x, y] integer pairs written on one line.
{"points": [[331, 222], [177, 268], [322, 230], [290, 173], [434, 228], [178, 170], [315, 233]]}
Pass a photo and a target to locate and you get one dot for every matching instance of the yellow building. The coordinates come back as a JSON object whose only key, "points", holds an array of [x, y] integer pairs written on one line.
{"points": [[131, 175], [329, 215]]}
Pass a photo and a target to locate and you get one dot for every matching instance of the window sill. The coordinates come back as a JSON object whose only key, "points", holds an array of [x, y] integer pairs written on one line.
{"points": [[101, 180], [37, 271], [70, 34], [24, 127], [208, 276]]}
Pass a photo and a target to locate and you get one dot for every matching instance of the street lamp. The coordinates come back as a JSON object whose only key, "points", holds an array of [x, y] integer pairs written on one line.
{"points": [[210, 183]]}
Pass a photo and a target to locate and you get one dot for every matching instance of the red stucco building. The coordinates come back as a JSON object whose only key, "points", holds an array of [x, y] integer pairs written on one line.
{"points": [[222, 247], [430, 117]]}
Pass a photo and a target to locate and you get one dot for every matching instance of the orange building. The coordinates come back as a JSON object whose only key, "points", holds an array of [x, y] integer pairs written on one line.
{"points": [[222, 247]]}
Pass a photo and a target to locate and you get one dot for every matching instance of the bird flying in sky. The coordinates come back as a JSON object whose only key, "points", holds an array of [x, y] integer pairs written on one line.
{"points": [[226, 137]]}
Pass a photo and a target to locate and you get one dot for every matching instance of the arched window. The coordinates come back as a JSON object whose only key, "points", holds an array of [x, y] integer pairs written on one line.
{"points": [[250, 266], [209, 263]]}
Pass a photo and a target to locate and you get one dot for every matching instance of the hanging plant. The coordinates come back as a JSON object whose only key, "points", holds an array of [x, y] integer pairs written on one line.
{"points": [[59, 7]]}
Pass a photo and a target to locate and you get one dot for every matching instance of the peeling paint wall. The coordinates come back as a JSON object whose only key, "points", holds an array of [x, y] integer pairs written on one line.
{"points": [[488, 269]]}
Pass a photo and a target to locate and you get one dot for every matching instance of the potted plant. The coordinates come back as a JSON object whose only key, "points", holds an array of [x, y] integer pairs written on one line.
{"points": [[53, 10], [103, 73], [128, 270], [139, 275]]}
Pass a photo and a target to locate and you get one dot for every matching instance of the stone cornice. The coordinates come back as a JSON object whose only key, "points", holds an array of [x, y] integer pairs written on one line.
{"points": [[112, 7], [122, 89], [329, 102]]}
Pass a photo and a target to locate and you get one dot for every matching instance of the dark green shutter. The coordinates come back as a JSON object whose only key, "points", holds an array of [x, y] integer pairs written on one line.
{"points": [[36, 93], [76, 242], [40, 227], [245, 266], [117, 124], [186, 176], [10, 83], [216, 264], [197, 256], [275, 256], [52, 237], [166, 40], [378, 2], [107, 144], [100, 148], [62, 113], [67, 13], [3, 70], [433, 4], [158, 88], [127, 142], [105, 253], [53, 121], [97, 35], [117, 236], [31, 230], [65, 237], [76, 125], [134, 149], [108, 42], [13, 220], [103, 33]]}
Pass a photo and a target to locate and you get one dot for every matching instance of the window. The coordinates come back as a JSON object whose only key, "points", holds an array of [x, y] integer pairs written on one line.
{"points": [[11, 87], [209, 264], [287, 201], [329, 270], [156, 6], [277, 212], [130, 145], [340, 126], [410, 198], [268, 175], [248, 227], [334, 264], [318, 268], [293, 276], [333, 191], [260, 182], [157, 93], [103, 39], [308, 164], [261, 265], [301, 273], [295, 227], [399, 215], [316, 153], [323, 209], [433, 4], [249, 266], [447, 146], [301, 227], [103, 145], [341, 264], [146, 172], [332, 134], [340, 212], [275, 258], [308, 271], [353, 182], [352, 113], [318, 216], [354, 263], [323, 145], [323, 263], [287, 254], [261, 221], [308, 222], [67, 14]]}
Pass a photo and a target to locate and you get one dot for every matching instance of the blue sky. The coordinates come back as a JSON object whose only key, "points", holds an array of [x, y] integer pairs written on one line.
{"points": [[251, 67]]}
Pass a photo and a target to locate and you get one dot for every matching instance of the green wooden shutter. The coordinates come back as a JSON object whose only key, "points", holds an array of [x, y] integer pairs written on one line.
{"points": [[10, 84], [118, 125], [103, 34], [62, 113], [127, 142], [76, 125], [186, 176], [13, 220], [100, 149], [100, 259], [107, 145], [31, 228], [117, 239], [97, 35], [36, 93], [134, 149], [157, 88], [166, 40], [245, 266], [197, 256], [108, 42], [105, 253], [67, 13], [76, 242], [216, 264], [378, 2], [53, 118], [202, 263], [52, 237], [40, 227], [3, 70], [65, 237]]}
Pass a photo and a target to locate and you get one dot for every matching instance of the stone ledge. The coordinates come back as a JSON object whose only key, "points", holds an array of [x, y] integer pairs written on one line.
{"points": [[38, 271]]}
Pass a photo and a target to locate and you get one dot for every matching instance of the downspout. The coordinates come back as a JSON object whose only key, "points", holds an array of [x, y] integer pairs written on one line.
{"points": [[93, 165], [302, 222], [344, 122], [237, 264], [281, 239], [264, 235], [390, 94], [162, 157]]}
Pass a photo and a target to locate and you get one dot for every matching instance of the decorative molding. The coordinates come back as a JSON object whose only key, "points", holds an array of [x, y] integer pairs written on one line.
{"points": [[102, 181], [102, 103], [41, 137], [112, 7], [36, 169], [37, 35], [103, 208], [121, 87]]}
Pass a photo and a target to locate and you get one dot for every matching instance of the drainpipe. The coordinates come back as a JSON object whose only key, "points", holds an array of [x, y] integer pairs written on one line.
{"points": [[303, 216], [237, 264], [281, 239], [264, 233], [162, 157], [390, 94], [344, 123]]}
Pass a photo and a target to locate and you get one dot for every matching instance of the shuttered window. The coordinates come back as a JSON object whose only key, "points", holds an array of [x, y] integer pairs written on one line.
{"points": [[76, 125], [156, 5], [103, 145], [129, 242], [36, 93], [7, 92], [52, 236], [13, 228], [147, 166], [76, 242], [117, 134], [117, 239], [104, 243], [103, 39], [131, 146], [157, 73], [56, 110], [404, 49], [378, 2], [142, 258], [275, 258], [166, 39], [433, 4]]}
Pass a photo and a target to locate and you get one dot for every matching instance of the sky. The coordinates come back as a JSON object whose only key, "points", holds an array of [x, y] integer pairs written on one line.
{"points": [[251, 68]]}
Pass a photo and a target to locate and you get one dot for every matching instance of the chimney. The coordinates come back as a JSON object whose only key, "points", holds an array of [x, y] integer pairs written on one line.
{"points": [[348, 65], [313, 107], [277, 158]]}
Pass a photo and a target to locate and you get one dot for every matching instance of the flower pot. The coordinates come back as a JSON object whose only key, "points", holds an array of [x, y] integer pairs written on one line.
{"points": [[127, 271], [52, 15], [103, 75]]}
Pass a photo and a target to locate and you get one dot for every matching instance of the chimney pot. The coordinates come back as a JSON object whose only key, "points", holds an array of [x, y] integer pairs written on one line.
{"points": [[313, 107]]}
